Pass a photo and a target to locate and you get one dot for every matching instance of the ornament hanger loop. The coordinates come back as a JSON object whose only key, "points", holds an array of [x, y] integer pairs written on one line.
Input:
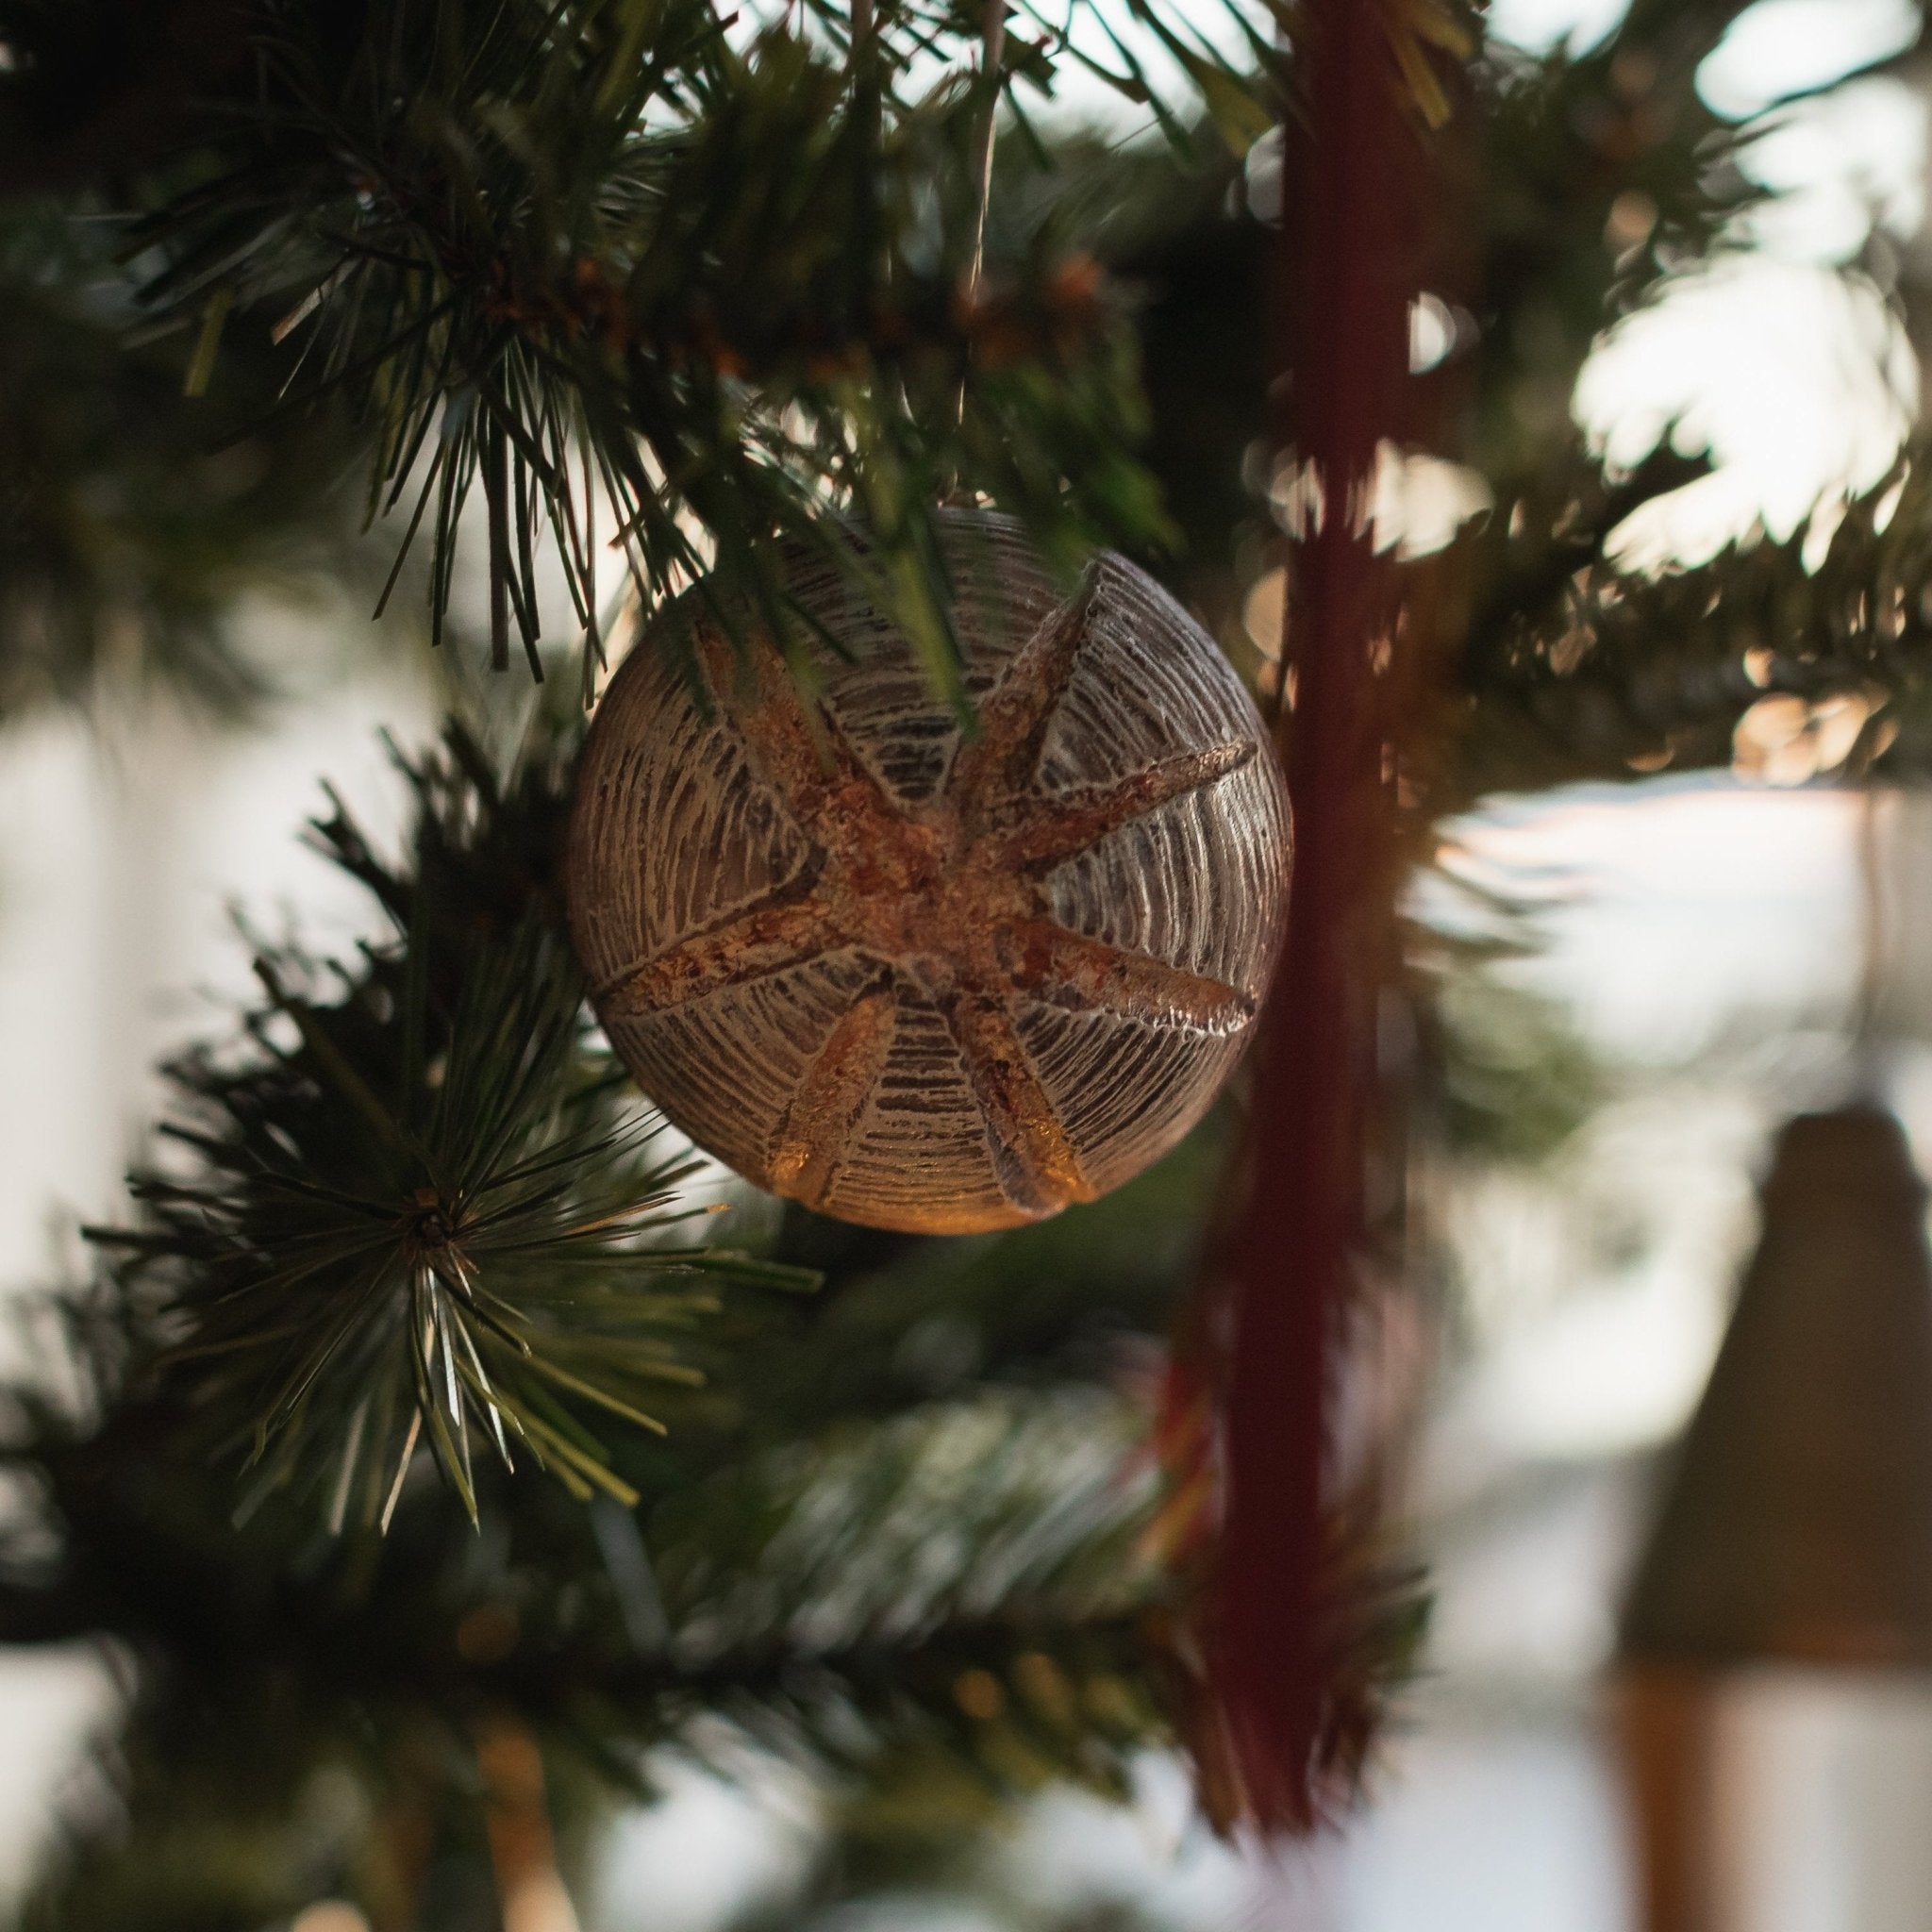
{"points": [[993, 47]]}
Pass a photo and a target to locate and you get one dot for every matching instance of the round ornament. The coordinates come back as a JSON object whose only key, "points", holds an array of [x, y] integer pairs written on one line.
{"points": [[918, 977]]}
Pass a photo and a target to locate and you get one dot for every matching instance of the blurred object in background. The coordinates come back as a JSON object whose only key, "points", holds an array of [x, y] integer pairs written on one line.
{"points": [[1796, 1524]]}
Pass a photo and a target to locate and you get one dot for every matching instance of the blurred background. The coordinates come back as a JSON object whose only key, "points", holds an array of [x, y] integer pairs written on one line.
{"points": [[1685, 960]]}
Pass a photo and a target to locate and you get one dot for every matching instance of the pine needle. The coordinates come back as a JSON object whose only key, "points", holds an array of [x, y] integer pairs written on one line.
{"points": [[493, 1239]]}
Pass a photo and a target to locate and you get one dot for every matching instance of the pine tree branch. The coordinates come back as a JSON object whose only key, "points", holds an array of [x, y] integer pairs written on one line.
{"points": [[124, 539], [532, 244], [1580, 669], [416, 1211]]}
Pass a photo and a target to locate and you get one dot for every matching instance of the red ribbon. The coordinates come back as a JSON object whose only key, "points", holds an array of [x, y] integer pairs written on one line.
{"points": [[1277, 1631]]}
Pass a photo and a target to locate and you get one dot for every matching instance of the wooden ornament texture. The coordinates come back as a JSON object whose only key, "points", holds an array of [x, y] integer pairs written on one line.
{"points": [[914, 978]]}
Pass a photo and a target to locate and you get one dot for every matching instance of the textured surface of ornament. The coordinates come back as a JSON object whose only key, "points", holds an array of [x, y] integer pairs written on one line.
{"points": [[915, 977]]}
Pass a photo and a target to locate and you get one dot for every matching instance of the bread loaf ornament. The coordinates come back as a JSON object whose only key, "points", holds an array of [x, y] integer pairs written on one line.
{"points": [[912, 976]]}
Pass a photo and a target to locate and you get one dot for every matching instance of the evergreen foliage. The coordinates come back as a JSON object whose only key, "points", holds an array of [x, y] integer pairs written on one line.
{"points": [[1610, 670], [716, 277], [724, 281], [125, 539], [760, 1577], [418, 1203]]}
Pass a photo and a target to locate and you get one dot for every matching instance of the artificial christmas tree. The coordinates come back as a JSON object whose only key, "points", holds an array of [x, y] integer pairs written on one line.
{"points": [[614, 302]]}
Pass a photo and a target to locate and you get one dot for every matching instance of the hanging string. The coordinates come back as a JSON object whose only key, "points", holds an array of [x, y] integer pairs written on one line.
{"points": [[993, 46]]}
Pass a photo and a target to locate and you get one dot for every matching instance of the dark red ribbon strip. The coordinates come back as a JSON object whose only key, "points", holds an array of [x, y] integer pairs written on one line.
{"points": [[1277, 1634]]}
